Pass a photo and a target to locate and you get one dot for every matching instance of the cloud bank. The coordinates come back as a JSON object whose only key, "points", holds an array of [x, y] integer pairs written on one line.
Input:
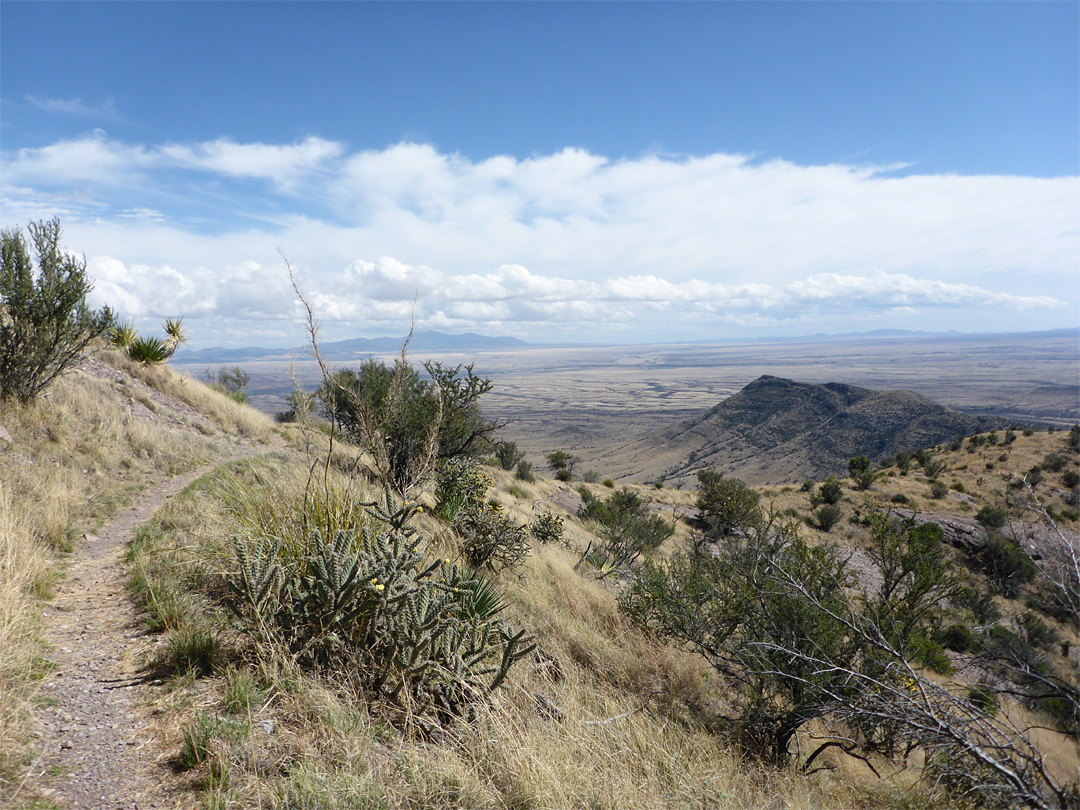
{"points": [[579, 243]]}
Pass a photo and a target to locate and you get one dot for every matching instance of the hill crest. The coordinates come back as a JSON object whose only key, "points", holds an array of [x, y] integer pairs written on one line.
{"points": [[777, 430]]}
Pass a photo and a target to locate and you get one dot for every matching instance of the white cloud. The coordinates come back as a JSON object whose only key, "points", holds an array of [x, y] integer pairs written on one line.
{"points": [[285, 165], [78, 108], [647, 244]]}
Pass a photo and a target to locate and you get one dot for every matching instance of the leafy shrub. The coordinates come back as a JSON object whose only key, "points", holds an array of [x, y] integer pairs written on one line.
{"points": [[903, 461], [1054, 462], [826, 516], [830, 491], [1071, 479], [625, 526], [563, 464], [45, 322], [396, 413], [368, 604], [564, 475], [609, 483], [232, 382], [1034, 475], [491, 539], [992, 517], [547, 528], [864, 479], [460, 485], [1074, 439], [724, 504], [590, 477], [938, 490], [524, 472], [508, 455], [858, 464], [807, 485], [899, 497], [1006, 565]]}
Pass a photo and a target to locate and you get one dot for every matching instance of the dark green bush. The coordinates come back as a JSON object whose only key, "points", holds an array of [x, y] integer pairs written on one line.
{"points": [[524, 472], [508, 455], [625, 527], [826, 516], [938, 490], [724, 504], [491, 539], [45, 322], [831, 491], [460, 484], [992, 517], [1054, 462], [1006, 565], [547, 528]]}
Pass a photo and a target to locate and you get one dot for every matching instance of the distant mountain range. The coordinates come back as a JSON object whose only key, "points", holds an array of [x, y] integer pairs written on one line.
{"points": [[776, 430], [360, 347]]}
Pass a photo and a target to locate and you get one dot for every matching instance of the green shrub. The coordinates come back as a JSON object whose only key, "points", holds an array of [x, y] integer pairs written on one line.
{"points": [[508, 455], [933, 467], [45, 322], [826, 516], [590, 477], [148, 350], [609, 483], [938, 490], [724, 504], [1073, 442], [830, 491], [992, 517], [1071, 479], [1054, 462], [547, 528], [1034, 475], [899, 497], [407, 421], [460, 485], [490, 539], [564, 475], [524, 472], [1006, 565], [625, 526], [982, 697]]}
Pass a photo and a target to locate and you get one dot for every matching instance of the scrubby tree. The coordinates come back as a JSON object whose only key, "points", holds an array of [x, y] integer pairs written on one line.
{"points": [[508, 455], [45, 322], [414, 418], [724, 504], [563, 464], [625, 526]]}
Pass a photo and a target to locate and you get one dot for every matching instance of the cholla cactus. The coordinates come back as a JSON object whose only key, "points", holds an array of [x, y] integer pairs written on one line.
{"points": [[371, 606]]}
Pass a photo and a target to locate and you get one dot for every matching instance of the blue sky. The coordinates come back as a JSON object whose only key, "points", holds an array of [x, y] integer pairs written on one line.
{"points": [[556, 171]]}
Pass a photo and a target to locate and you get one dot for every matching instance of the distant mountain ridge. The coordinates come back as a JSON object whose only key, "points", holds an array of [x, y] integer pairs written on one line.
{"points": [[359, 347], [777, 430]]}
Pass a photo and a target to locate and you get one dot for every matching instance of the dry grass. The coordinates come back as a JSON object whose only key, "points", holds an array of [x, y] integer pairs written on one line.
{"points": [[96, 440], [602, 716]]}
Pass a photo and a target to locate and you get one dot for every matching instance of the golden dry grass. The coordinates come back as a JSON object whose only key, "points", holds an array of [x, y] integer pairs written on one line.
{"points": [[90, 445]]}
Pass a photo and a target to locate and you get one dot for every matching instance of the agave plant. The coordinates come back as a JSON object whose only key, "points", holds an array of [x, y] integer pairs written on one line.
{"points": [[149, 350], [122, 335], [174, 334]]}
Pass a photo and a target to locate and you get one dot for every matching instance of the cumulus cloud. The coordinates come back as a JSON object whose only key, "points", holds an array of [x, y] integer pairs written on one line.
{"points": [[507, 243]]}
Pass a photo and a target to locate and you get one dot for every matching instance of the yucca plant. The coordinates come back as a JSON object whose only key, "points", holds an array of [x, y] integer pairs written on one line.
{"points": [[149, 350], [123, 335], [175, 334]]}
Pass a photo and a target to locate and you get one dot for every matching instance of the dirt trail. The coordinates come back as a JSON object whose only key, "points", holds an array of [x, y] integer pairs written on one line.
{"points": [[97, 749]]}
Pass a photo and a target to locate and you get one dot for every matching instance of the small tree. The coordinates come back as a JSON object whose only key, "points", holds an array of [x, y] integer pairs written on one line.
{"points": [[563, 464], [724, 504], [45, 322], [508, 455], [830, 491]]}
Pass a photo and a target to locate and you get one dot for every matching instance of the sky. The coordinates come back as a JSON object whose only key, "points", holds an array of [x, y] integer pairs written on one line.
{"points": [[556, 172]]}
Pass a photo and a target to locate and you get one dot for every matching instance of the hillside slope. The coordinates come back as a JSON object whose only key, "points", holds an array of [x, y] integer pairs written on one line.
{"points": [[781, 431]]}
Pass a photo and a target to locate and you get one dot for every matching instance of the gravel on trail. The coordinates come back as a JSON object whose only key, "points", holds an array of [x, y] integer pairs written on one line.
{"points": [[93, 727]]}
